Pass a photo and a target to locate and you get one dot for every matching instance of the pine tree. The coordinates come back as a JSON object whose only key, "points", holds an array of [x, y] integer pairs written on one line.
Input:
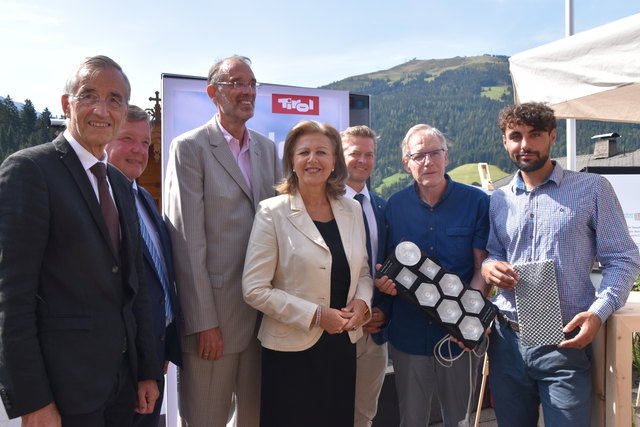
{"points": [[28, 116]]}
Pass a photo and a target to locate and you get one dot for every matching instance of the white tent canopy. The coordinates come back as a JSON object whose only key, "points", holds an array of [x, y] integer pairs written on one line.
{"points": [[591, 75]]}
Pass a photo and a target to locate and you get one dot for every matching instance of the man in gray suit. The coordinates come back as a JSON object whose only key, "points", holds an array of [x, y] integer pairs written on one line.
{"points": [[216, 176]]}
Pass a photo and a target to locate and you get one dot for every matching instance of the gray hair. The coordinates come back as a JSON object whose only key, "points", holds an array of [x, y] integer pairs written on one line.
{"points": [[426, 130], [217, 70], [88, 67]]}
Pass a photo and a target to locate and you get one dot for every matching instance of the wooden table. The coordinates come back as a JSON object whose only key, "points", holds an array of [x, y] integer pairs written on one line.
{"points": [[618, 361]]}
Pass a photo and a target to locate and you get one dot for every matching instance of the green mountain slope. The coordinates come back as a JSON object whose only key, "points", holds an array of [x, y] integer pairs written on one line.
{"points": [[462, 97]]}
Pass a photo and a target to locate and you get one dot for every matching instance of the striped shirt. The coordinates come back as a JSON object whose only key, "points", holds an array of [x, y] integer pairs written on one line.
{"points": [[572, 218]]}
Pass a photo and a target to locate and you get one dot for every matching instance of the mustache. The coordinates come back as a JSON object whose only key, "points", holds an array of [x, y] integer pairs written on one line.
{"points": [[521, 152]]}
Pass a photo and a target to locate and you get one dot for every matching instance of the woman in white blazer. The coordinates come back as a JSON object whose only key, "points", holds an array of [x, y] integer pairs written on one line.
{"points": [[306, 270]]}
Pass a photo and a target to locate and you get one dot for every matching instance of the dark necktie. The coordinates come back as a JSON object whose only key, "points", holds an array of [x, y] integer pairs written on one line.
{"points": [[109, 211], [360, 198], [158, 265]]}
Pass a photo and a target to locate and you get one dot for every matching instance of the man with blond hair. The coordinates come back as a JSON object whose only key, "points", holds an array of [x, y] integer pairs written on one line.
{"points": [[129, 152], [359, 145]]}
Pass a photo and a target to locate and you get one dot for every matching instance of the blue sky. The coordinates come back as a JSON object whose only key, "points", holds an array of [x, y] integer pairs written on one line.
{"points": [[302, 43]]}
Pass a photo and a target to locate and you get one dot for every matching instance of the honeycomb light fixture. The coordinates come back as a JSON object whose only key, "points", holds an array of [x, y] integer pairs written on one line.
{"points": [[439, 293]]}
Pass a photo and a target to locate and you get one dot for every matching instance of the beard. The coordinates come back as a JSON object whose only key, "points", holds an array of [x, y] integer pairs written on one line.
{"points": [[530, 165]]}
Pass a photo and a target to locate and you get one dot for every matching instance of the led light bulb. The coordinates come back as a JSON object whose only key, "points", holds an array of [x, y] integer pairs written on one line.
{"points": [[407, 253], [451, 285], [428, 294], [429, 268], [406, 277], [472, 301], [449, 311], [471, 328]]}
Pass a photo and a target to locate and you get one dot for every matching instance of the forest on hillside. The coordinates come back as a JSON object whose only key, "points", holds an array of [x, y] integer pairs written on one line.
{"points": [[460, 96], [21, 128], [453, 101]]}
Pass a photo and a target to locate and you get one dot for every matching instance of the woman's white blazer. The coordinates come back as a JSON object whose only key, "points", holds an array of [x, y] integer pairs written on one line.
{"points": [[287, 271]]}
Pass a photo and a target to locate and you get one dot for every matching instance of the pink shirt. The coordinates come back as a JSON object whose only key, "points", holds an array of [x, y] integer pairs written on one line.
{"points": [[240, 153]]}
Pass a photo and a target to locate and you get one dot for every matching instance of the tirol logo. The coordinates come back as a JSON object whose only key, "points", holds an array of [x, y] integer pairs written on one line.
{"points": [[295, 104]]}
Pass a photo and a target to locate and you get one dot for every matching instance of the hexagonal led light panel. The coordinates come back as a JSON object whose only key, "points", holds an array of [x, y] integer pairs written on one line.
{"points": [[449, 311], [428, 294], [439, 294], [451, 285]]}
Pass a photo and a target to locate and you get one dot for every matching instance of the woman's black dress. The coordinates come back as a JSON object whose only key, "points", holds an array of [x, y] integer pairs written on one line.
{"points": [[314, 387]]}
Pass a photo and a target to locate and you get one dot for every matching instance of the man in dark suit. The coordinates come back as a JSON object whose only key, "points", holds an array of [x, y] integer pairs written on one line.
{"points": [[359, 145], [75, 332], [129, 152]]}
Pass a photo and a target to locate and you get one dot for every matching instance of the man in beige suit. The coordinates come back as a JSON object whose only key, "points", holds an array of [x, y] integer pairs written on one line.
{"points": [[216, 176]]}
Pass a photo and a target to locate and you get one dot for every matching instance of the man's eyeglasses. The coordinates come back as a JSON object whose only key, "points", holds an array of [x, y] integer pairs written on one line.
{"points": [[91, 99], [421, 157], [240, 85]]}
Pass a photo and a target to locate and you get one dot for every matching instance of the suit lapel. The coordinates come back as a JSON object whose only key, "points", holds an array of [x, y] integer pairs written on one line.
{"points": [[378, 210], [221, 151], [125, 209], [256, 170], [303, 222], [149, 205], [79, 175]]}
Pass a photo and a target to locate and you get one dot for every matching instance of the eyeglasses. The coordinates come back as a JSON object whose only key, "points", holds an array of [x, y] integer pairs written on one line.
{"points": [[91, 99], [240, 85], [423, 156]]}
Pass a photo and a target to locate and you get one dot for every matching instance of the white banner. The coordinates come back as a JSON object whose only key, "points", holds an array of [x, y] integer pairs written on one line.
{"points": [[185, 106], [626, 187]]}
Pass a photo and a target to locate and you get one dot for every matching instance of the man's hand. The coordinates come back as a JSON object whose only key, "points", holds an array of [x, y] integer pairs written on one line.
{"points": [[384, 284], [47, 416], [589, 324], [467, 349], [500, 274], [147, 395], [376, 323], [210, 345]]}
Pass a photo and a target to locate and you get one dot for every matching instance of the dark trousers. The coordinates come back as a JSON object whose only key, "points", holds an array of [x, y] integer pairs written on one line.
{"points": [[119, 408]]}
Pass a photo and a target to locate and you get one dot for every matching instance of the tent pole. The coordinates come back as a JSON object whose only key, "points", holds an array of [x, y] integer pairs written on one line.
{"points": [[571, 123]]}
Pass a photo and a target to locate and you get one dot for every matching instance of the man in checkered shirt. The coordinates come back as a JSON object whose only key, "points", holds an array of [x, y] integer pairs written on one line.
{"points": [[571, 218]]}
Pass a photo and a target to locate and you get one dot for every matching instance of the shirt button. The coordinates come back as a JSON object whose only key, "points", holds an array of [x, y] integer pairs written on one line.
{"points": [[430, 228], [531, 215], [115, 269], [431, 248]]}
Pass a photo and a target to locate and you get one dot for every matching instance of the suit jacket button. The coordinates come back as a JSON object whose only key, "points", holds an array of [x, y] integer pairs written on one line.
{"points": [[115, 269]]}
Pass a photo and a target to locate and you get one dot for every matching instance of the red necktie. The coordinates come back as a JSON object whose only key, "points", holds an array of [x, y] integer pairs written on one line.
{"points": [[109, 211]]}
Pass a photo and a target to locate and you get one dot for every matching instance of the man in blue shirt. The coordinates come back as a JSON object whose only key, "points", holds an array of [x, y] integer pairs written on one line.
{"points": [[572, 218], [448, 221]]}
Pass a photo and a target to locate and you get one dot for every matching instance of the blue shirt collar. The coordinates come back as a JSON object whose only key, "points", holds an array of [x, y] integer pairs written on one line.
{"points": [[446, 193]]}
